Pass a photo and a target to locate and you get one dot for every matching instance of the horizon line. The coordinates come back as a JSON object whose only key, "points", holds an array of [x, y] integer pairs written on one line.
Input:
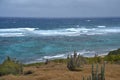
{"points": [[57, 17]]}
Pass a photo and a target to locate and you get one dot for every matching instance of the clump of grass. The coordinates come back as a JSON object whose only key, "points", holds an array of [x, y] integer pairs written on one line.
{"points": [[95, 60], [2, 79], [60, 61], [75, 62], [34, 64], [10, 66]]}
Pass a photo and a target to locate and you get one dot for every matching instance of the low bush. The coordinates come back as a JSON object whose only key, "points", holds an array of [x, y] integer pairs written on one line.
{"points": [[93, 60], [114, 52], [113, 56], [10, 66]]}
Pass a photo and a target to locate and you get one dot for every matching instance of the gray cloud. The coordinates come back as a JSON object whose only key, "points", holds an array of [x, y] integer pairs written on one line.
{"points": [[60, 8]]}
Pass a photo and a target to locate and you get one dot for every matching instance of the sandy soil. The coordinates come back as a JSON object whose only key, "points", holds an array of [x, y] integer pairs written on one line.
{"points": [[59, 71]]}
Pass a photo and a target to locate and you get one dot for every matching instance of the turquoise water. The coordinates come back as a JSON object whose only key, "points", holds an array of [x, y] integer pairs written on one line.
{"points": [[33, 40]]}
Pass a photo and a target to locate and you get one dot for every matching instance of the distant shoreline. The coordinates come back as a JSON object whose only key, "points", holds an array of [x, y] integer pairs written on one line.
{"points": [[64, 58]]}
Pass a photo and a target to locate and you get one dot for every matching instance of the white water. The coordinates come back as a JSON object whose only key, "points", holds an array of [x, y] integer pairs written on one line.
{"points": [[18, 32], [62, 56], [101, 26]]}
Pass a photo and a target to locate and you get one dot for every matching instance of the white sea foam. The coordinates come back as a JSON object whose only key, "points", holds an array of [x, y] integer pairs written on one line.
{"points": [[55, 57], [59, 56], [15, 32], [11, 34], [85, 53], [101, 26], [43, 59], [18, 32], [88, 20], [17, 29]]}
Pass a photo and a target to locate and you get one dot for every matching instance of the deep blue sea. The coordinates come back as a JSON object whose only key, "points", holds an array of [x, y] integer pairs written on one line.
{"points": [[36, 39]]}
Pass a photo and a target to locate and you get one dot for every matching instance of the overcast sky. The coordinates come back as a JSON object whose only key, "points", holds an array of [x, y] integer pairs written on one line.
{"points": [[60, 8]]}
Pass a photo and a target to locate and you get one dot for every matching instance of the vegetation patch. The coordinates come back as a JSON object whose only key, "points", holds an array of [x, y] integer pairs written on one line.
{"points": [[114, 52], [96, 74], [113, 56], [34, 64], [75, 62], [10, 66]]}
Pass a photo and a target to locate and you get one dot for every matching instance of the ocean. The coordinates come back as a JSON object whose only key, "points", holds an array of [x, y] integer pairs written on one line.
{"points": [[32, 40]]}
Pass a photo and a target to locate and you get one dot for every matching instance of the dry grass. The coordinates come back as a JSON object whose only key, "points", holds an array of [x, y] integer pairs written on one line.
{"points": [[59, 71]]}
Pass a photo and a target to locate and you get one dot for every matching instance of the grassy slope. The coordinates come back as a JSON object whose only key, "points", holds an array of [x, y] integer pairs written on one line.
{"points": [[56, 70]]}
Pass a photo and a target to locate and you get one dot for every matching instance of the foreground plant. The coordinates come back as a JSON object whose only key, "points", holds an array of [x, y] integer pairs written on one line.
{"points": [[75, 62], [10, 66], [95, 74]]}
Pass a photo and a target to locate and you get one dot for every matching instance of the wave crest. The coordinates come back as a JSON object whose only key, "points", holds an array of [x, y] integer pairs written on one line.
{"points": [[18, 32]]}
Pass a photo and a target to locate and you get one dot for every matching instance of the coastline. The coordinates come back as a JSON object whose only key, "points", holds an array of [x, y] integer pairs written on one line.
{"points": [[64, 56], [56, 57], [57, 70]]}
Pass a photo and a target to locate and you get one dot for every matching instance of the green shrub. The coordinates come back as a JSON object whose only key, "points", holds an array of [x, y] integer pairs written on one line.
{"points": [[10, 66], [114, 52], [75, 62], [113, 56], [95, 60]]}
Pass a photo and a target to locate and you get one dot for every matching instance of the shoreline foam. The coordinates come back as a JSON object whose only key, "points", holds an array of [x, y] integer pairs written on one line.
{"points": [[61, 56]]}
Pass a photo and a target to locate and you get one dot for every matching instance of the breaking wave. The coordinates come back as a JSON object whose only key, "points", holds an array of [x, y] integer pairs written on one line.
{"points": [[101, 26], [63, 56], [18, 32]]}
